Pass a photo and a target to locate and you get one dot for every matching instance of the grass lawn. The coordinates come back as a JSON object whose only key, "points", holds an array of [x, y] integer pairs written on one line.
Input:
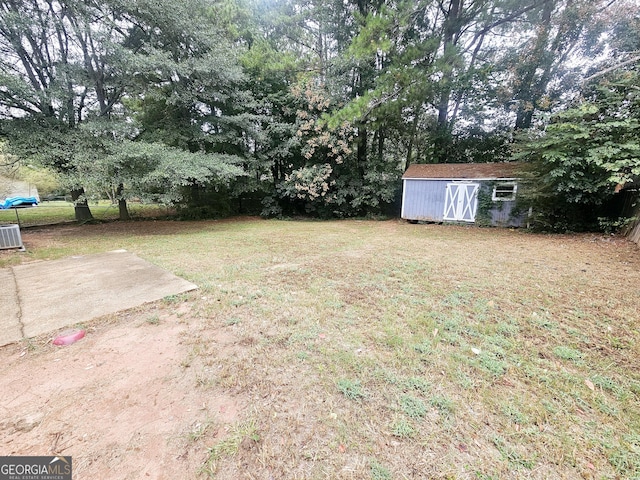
{"points": [[54, 212], [380, 350]]}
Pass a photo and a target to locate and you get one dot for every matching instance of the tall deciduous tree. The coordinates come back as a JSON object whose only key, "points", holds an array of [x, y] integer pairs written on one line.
{"points": [[579, 154], [55, 70], [584, 153], [71, 63], [540, 73], [436, 64]]}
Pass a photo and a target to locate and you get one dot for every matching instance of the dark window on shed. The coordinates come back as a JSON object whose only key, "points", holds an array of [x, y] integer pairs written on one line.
{"points": [[504, 192]]}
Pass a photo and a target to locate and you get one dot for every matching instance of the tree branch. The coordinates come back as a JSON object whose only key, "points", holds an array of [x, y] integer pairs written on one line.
{"points": [[511, 16], [611, 69]]}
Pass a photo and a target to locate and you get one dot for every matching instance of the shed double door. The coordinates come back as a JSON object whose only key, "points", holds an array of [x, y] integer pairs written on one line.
{"points": [[461, 202]]}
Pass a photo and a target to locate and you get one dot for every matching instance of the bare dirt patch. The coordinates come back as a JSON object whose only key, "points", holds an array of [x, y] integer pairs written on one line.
{"points": [[124, 401]]}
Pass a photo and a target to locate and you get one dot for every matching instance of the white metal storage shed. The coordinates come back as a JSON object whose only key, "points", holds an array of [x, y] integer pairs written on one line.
{"points": [[451, 192]]}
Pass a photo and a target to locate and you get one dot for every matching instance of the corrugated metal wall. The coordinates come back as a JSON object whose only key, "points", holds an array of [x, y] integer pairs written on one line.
{"points": [[501, 215], [424, 199]]}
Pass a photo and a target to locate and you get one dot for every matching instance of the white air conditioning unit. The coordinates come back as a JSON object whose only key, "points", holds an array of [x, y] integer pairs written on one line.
{"points": [[10, 237]]}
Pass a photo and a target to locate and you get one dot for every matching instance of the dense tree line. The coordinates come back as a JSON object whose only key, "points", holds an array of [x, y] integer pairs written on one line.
{"points": [[286, 107]]}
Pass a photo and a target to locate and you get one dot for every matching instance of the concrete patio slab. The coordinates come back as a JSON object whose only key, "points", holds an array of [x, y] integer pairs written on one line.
{"points": [[10, 326], [51, 295]]}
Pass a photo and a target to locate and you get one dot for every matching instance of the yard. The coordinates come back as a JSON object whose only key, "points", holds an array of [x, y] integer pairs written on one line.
{"points": [[59, 211], [343, 349]]}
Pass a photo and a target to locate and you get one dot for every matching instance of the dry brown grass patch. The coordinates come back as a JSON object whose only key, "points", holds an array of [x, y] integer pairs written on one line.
{"points": [[385, 350]]}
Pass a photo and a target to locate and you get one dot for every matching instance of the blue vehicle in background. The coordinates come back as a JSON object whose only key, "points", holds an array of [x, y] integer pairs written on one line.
{"points": [[13, 202]]}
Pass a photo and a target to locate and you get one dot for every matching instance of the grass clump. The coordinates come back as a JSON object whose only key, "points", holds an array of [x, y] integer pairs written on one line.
{"points": [[567, 353], [443, 404], [416, 383], [401, 428], [243, 432], [378, 471], [514, 413], [492, 364], [513, 456], [413, 407], [352, 389], [424, 348]]}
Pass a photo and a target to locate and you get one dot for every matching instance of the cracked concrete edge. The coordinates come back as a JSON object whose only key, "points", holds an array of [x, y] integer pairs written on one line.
{"points": [[18, 302], [11, 327]]}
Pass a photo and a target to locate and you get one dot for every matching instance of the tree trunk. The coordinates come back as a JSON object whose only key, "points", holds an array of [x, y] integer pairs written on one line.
{"points": [[527, 91], [524, 116], [81, 207], [452, 28], [412, 138], [362, 150], [381, 138], [123, 211], [442, 143]]}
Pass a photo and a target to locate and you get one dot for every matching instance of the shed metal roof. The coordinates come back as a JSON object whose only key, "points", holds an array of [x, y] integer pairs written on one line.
{"points": [[454, 171]]}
